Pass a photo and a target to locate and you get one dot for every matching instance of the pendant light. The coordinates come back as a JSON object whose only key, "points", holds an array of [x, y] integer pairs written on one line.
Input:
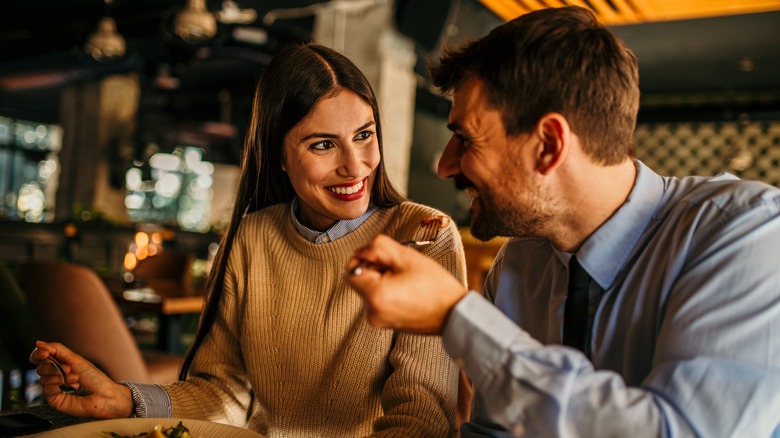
{"points": [[195, 24], [232, 14], [105, 44]]}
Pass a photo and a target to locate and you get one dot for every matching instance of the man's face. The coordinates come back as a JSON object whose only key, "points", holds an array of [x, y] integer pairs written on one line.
{"points": [[498, 171]]}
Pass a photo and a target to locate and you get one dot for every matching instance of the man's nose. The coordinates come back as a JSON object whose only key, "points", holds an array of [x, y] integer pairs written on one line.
{"points": [[449, 162]]}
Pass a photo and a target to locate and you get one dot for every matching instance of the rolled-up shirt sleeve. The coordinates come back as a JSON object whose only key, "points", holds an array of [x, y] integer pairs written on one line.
{"points": [[150, 400]]}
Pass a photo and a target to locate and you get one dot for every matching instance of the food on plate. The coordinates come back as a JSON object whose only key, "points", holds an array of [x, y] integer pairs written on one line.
{"points": [[179, 431]]}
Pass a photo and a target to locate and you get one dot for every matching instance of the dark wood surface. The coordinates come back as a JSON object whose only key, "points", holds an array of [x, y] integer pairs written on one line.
{"points": [[57, 418]]}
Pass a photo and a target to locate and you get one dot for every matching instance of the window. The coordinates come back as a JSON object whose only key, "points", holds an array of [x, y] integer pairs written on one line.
{"points": [[173, 188], [29, 169]]}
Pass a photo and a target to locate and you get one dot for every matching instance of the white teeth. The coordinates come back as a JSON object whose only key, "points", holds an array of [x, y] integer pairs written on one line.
{"points": [[347, 190]]}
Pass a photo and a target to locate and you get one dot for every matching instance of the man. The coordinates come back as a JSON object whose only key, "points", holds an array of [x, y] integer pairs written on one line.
{"points": [[678, 333]]}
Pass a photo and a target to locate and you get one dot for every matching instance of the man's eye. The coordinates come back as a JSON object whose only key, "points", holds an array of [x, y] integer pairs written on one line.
{"points": [[463, 140], [321, 146]]}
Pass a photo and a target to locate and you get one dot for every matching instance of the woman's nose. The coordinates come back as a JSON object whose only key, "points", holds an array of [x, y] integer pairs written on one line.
{"points": [[449, 162], [350, 162]]}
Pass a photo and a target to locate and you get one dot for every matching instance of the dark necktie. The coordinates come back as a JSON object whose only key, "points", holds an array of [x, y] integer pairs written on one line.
{"points": [[575, 315]]}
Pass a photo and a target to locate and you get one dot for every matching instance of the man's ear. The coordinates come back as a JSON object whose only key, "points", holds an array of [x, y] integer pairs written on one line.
{"points": [[552, 130]]}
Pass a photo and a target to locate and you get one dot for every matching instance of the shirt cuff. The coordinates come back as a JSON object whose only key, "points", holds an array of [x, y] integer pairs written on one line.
{"points": [[478, 337], [150, 400]]}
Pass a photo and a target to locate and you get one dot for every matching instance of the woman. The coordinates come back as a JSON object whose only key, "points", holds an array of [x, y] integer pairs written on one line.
{"points": [[282, 347]]}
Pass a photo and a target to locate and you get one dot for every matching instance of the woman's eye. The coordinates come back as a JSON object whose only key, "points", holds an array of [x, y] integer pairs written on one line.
{"points": [[321, 146], [364, 135]]}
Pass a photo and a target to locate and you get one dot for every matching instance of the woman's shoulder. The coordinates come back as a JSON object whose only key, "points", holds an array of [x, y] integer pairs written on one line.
{"points": [[414, 209], [409, 217], [422, 222], [266, 219], [272, 212]]}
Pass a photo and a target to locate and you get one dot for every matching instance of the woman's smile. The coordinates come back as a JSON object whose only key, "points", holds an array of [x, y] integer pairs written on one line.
{"points": [[349, 191]]}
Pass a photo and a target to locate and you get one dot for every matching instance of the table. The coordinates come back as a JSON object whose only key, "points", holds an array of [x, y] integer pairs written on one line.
{"points": [[57, 418]]}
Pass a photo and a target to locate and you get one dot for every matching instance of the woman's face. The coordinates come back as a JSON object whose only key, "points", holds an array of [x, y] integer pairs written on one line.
{"points": [[330, 158]]}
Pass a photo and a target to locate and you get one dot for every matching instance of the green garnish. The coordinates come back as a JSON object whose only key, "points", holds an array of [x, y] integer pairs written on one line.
{"points": [[180, 431]]}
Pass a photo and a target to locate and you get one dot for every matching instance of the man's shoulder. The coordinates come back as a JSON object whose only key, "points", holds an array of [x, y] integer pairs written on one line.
{"points": [[724, 192]]}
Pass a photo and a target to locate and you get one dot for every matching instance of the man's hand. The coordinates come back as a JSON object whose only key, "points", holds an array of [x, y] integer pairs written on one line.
{"points": [[402, 288], [108, 399]]}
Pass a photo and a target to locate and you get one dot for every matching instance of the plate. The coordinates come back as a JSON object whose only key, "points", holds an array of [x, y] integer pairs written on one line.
{"points": [[134, 426]]}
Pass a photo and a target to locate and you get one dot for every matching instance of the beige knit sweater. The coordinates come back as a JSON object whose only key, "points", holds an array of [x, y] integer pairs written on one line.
{"points": [[291, 344]]}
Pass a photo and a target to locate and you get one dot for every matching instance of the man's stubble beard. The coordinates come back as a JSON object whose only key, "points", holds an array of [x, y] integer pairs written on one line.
{"points": [[494, 217]]}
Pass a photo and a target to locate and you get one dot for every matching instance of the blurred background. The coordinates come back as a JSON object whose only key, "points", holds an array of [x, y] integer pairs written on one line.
{"points": [[121, 121], [133, 111]]}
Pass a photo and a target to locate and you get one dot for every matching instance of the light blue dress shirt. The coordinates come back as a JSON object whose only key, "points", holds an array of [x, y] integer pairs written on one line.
{"points": [[685, 340]]}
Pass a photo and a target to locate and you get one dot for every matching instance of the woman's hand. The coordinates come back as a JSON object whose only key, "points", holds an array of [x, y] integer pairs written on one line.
{"points": [[108, 399]]}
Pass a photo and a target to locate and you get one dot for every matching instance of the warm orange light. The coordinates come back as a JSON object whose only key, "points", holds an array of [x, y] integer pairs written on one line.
{"points": [[168, 234], [71, 230], [616, 12], [141, 239], [130, 261]]}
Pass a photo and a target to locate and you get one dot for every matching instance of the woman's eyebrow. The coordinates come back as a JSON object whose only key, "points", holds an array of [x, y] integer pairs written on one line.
{"points": [[318, 135], [327, 135], [366, 125]]}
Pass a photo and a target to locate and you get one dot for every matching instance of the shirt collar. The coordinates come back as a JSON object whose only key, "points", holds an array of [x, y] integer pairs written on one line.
{"points": [[338, 230], [605, 252]]}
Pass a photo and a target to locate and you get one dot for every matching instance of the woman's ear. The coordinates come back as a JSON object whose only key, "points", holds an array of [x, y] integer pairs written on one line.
{"points": [[553, 132]]}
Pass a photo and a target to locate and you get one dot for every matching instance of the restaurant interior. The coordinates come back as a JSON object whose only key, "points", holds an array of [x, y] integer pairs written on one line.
{"points": [[122, 121]]}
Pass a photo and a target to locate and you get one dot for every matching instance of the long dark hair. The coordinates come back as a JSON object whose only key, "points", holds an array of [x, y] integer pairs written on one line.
{"points": [[295, 80]]}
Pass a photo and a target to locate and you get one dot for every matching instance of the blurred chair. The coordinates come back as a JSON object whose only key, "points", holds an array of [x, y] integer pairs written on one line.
{"points": [[479, 257], [70, 304], [16, 341], [167, 270]]}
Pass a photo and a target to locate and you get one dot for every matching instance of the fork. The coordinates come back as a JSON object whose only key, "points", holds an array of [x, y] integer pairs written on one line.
{"points": [[65, 388], [426, 234]]}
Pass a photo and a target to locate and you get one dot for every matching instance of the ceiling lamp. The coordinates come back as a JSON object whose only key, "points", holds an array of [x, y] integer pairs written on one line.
{"points": [[232, 14], [105, 44], [195, 24]]}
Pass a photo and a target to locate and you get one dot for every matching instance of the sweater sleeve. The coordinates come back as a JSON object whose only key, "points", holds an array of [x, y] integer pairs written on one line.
{"points": [[420, 395], [218, 388]]}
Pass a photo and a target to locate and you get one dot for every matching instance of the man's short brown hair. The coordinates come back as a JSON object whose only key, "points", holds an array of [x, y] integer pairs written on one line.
{"points": [[555, 60]]}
